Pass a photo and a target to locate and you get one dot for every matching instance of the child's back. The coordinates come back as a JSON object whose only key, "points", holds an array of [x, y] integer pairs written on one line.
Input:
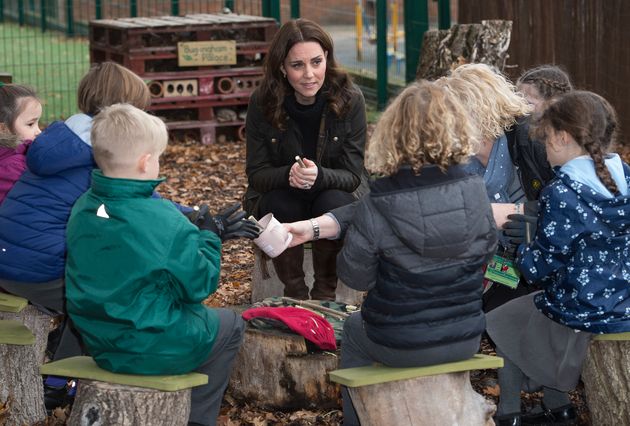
{"points": [[583, 252], [137, 273], [34, 215], [138, 270], [582, 248]]}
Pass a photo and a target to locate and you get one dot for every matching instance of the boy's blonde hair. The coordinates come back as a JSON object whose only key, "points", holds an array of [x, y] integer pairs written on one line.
{"points": [[122, 133], [107, 84], [492, 100], [425, 124]]}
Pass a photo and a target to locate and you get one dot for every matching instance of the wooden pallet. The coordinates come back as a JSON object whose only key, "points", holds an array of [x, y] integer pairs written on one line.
{"points": [[204, 85], [147, 45]]}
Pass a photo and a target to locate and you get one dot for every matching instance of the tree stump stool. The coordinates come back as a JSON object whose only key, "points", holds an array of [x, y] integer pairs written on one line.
{"points": [[606, 378], [265, 281], [275, 370], [437, 395], [23, 337], [106, 398]]}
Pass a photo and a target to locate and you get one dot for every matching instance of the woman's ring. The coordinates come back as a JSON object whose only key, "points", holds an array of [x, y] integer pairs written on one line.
{"points": [[306, 186]]}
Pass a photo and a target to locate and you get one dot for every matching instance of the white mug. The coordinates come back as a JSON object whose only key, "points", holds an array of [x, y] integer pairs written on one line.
{"points": [[274, 238]]}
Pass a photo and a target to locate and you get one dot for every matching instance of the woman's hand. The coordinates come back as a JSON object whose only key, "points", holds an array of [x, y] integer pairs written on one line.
{"points": [[500, 211], [302, 232], [303, 177]]}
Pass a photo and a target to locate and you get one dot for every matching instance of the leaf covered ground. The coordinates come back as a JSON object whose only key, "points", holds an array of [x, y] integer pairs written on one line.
{"points": [[215, 175]]}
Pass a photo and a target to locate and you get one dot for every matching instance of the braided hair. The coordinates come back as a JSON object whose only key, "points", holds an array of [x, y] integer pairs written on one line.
{"points": [[590, 120], [549, 80]]}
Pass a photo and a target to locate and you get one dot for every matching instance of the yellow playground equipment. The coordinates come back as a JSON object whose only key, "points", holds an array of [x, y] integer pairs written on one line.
{"points": [[365, 22]]}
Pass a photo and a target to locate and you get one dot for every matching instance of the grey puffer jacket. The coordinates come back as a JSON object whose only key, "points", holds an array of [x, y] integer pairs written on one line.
{"points": [[417, 244]]}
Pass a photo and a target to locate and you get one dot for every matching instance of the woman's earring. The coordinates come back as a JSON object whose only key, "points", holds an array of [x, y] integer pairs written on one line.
{"points": [[284, 74]]}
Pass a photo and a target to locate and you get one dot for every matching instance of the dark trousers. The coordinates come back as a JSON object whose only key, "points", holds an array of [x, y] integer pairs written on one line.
{"points": [[50, 298], [291, 205], [206, 400], [357, 350]]}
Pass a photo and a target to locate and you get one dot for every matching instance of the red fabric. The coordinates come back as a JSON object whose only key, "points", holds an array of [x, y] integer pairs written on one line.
{"points": [[305, 323]]}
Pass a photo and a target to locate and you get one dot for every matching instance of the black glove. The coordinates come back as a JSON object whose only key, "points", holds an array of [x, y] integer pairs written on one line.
{"points": [[229, 223], [530, 208], [196, 213], [520, 228]]}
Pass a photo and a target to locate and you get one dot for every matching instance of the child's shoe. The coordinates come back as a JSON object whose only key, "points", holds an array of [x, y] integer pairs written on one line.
{"points": [[564, 415], [513, 419], [58, 392]]}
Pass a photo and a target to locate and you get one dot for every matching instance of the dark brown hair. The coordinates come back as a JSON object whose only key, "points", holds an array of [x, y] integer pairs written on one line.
{"points": [[11, 103], [108, 83], [589, 119], [549, 80], [274, 87]]}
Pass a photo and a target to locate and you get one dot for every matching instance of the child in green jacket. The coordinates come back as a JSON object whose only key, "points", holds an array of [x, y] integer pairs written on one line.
{"points": [[138, 270]]}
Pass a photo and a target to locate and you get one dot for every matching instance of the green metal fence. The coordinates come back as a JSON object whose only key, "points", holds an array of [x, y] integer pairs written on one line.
{"points": [[43, 42]]}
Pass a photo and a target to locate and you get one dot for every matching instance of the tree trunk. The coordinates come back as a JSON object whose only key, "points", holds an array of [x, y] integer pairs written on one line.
{"points": [[20, 381], [441, 400], [265, 281], [443, 50], [606, 377], [275, 370], [101, 403]]}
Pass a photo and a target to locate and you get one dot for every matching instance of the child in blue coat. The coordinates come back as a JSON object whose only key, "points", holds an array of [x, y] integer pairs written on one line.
{"points": [[580, 256]]}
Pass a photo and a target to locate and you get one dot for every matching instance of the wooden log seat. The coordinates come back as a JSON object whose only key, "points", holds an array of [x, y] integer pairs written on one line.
{"points": [[432, 395], [606, 378], [23, 337], [108, 398]]}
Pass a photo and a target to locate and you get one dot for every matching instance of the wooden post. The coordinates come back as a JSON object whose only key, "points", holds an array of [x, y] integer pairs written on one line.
{"points": [[275, 370], [20, 382], [485, 43], [606, 378]]}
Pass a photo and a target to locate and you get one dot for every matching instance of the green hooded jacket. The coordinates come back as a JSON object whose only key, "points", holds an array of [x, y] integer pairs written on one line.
{"points": [[136, 273]]}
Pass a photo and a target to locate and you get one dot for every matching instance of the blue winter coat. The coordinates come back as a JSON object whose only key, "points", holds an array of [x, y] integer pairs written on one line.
{"points": [[581, 254], [33, 217]]}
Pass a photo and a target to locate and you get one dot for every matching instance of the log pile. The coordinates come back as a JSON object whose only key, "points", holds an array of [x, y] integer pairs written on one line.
{"points": [[443, 50]]}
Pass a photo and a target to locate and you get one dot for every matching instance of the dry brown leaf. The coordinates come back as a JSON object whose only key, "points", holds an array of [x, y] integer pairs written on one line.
{"points": [[492, 390]]}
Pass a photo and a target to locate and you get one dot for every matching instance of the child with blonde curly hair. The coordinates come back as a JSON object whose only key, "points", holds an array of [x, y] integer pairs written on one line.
{"points": [[513, 166], [424, 213]]}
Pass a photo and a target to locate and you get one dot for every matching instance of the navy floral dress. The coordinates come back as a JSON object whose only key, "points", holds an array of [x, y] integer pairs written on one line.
{"points": [[581, 256]]}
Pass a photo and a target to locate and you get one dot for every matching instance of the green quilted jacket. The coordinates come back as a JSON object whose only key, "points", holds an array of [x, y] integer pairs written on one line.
{"points": [[136, 274]]}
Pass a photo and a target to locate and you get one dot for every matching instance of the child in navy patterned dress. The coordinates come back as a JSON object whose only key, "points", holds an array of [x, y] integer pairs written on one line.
{"points": [[580, 256]]}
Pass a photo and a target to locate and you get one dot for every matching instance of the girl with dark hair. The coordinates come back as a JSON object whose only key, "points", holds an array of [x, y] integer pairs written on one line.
{"points": [[308, 107], [20, 111], [579, 256], [543, 83]]}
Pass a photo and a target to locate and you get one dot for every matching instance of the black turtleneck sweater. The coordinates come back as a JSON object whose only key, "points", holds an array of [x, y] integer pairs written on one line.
{"points": [[307, 118]]}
